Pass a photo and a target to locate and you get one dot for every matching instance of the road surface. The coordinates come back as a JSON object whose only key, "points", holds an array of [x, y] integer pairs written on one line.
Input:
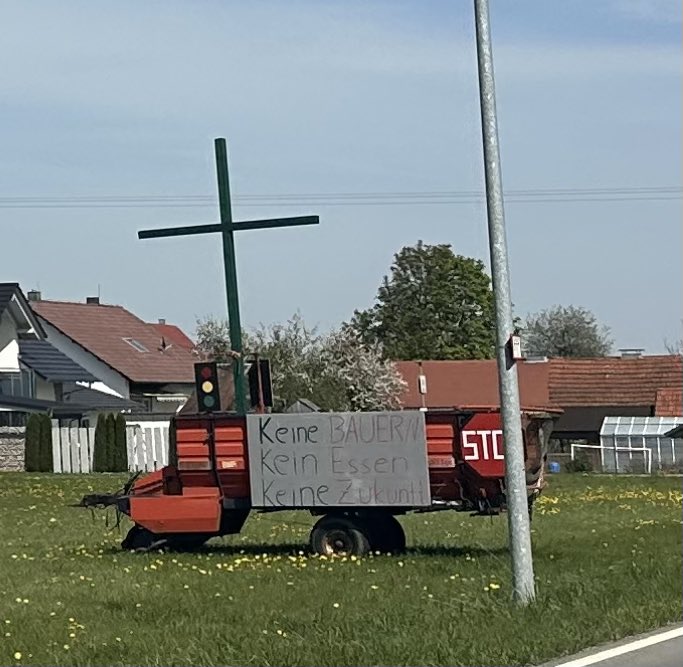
{"points": [[662, 648]]}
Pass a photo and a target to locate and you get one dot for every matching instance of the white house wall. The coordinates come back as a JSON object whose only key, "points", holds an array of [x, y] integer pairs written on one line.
{"points": [[9, 349], [111, 381]]}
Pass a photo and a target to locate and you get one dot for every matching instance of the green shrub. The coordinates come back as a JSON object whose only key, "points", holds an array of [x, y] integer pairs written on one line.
{"points": [[120, 457], [45, 444], [101, 453], [581, 463], [32, 443], [111, 442]]}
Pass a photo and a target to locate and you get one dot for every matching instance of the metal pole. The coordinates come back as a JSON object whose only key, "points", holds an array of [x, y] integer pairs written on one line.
{"points": [[230, 275], [515, 477]]}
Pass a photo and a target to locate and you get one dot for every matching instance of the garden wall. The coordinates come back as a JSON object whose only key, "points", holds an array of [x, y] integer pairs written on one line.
{"points": [[12, 441]]}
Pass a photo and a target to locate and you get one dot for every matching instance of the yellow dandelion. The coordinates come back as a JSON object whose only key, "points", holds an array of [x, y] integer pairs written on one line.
{"points": [[493, 586], [336, 605], [374, 587], [66, 647], [17, 655]]}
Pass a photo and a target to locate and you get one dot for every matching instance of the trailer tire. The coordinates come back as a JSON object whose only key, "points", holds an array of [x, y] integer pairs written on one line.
{"points": [[139, 539], [337, 535], [387, 535]]}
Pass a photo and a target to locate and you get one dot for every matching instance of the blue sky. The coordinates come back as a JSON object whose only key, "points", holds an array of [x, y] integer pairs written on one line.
{"points": [[125, 100]]}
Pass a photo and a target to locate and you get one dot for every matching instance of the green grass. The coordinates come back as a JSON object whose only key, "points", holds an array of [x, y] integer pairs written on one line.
{"points": [[607, 561]]}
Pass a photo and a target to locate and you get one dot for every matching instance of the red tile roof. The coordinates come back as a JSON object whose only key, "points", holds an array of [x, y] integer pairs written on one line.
{"points": [[613, 381], [669, 403], [460, 384], [175, 335], [101, 329]]}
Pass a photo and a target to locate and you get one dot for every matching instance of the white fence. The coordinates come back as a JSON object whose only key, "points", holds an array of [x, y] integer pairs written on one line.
{"points": [[146, 443]]}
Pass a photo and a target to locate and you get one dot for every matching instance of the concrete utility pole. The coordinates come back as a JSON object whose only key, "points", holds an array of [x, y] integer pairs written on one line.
{"points": [[515, 477]]}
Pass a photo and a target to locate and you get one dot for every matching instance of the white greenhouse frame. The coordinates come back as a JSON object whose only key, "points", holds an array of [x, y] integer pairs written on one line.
{"points": [[637, 434]]}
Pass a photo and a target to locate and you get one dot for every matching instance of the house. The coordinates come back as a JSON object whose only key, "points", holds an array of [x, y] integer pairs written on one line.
{"points": [[470, 383], [151, 364], [588, 390], [35, 376], [585, 390], [669, 402]]}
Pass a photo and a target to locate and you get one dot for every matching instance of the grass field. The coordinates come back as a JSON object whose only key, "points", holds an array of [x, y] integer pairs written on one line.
{"points": [[607, 561]]}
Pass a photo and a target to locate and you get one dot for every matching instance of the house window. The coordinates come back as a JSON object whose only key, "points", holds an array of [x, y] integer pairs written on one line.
{"points": [[18, 384], [136, 344]]}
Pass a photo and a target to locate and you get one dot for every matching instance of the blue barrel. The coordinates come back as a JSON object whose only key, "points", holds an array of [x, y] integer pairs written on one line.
{"points": [[553, 466]]}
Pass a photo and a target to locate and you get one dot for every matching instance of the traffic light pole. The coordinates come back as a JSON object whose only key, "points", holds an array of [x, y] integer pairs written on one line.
{"points": [[515, 476]]}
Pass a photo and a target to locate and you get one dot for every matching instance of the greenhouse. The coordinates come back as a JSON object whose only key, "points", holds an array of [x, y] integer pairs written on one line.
{"points": [[637, 444]]}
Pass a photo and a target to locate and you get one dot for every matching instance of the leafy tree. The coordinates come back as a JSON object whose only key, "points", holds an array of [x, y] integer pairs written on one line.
{"points": [[336, 371], [101, 454], [213, 339], [434, 305], [566, 331]]}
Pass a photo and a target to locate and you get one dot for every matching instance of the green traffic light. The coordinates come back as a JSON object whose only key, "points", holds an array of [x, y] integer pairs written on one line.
{"points": [[209, 401]]}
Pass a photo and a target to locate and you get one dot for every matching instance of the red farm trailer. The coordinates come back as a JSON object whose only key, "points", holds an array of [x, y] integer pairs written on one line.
{"points": [[355, 471]]}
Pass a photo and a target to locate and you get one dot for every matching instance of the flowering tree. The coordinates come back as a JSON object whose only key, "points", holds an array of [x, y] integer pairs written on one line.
{"points": [[337, 371], [370, 381]]}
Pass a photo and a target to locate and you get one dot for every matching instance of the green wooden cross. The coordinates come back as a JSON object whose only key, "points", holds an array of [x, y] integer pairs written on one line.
{"points": [[227, 228]]}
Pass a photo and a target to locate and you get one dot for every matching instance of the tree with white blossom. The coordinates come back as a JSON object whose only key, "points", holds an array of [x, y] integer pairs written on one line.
{"points": [[336, 371]]}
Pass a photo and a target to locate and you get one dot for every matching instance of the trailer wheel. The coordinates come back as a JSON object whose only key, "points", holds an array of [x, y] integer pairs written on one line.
{"points": [[140, 539], [336, 535], [386, 534]]}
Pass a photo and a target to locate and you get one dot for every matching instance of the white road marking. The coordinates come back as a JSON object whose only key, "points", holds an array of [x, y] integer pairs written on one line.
{"points": [[624, 648]]}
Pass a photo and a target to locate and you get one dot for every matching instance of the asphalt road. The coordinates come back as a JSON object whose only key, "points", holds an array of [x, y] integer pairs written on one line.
{"points": [[665, 654], [632, 652]]}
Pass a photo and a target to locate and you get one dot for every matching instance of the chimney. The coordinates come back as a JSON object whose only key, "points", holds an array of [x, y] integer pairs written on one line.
{"points": [[93, 300], [34, 295], [162, 320], [631, 352]]}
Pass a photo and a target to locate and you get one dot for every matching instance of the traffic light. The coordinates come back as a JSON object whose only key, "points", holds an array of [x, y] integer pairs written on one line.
{"points": [[206, 385], [260, 384]]}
